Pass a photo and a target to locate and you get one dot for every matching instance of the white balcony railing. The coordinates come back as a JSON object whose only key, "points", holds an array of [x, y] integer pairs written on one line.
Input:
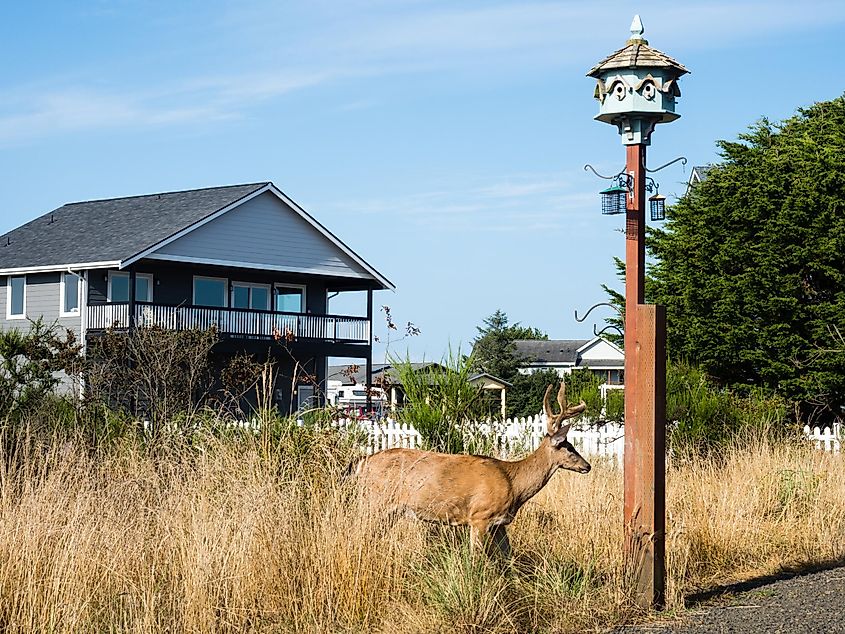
{"points": [[233, 322]]}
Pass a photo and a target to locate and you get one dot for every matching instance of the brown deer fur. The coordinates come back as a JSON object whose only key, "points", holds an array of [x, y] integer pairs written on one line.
{"points": [[477, 491]]}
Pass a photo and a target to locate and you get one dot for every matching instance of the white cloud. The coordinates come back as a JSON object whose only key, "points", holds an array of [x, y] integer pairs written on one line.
{"points": [[292, 47], [524, 203]]}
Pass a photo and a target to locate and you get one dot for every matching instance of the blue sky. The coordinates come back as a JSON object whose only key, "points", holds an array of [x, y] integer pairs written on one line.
{"points": [[443, 141]]}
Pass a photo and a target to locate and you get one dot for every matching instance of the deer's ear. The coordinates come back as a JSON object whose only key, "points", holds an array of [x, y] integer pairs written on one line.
{"points": [[559, 437]]}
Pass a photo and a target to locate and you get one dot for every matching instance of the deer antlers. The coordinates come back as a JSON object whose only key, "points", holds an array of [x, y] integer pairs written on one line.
{"points": [[553, 420]]}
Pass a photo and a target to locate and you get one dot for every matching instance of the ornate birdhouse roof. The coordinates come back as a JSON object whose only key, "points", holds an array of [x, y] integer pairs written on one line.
{"points": [[636, 54]]}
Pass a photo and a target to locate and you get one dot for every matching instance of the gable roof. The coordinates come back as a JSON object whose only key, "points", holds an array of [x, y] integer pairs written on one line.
{"points": [[111, 230], [699, 173], [540, 351], [566, 352], [115, 232]]}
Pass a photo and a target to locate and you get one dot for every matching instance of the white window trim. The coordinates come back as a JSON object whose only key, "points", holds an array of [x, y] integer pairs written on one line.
{"points": [[147, 276], [9, 314], [75, 312], [267, 287], [304, 288], [225, 281]]}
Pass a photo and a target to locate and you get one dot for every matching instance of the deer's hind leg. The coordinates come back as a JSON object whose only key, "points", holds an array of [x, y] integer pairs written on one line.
{"points": [[499, 537]]}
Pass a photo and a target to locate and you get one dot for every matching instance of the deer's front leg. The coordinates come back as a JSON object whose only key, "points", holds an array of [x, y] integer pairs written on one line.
{"points": [[478, 536]]}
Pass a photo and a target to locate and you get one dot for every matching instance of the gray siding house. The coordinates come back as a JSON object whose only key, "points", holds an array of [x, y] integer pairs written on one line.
{"points": [[244, 258]]}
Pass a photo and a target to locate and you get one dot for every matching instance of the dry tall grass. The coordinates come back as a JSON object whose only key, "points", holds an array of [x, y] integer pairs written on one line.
{"points": [[231, 539]]}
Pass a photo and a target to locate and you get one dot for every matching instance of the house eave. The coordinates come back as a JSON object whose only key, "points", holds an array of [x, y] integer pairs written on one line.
{"points": [[248, 265], [592, 341], [50, 268]]}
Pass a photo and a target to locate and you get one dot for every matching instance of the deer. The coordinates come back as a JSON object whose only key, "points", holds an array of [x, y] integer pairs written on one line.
{"points": [[481, 492]]}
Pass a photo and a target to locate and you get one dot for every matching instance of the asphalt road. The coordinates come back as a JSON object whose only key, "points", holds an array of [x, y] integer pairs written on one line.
{"points": [[813, 602]]}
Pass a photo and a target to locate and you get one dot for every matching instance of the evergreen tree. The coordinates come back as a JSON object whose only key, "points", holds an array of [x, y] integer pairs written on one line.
{"points": [[494, 350], [751, 262]]}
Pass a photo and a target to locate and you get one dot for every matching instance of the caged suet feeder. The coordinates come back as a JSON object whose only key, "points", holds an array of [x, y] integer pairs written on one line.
{"points": [[657, 206], [614, 199]]}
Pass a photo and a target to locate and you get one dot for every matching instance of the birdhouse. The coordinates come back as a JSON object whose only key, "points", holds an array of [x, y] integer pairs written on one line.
{"points": [[637, 87]]}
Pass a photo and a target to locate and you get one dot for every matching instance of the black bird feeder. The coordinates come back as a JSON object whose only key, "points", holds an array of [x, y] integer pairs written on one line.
{"points": [[657, 206]]}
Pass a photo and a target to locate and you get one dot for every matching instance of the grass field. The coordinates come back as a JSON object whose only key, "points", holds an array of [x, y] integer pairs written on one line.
{"points": [[236, 536]]}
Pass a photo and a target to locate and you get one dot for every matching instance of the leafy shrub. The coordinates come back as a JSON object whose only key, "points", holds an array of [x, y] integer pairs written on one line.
{"points": [[702, 415], [440, 400], [30, 362]]}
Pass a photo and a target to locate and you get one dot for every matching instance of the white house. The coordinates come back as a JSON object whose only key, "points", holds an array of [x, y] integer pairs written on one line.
{"points": [[600, 356]]}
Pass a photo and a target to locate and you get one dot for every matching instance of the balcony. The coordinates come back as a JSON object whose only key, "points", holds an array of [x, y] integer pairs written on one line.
{"points": [[232, 322]]}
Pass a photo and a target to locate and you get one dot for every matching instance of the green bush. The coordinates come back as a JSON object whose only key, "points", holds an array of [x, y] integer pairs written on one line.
{"points": [[702, 415], [29, 365], [440, 400]]}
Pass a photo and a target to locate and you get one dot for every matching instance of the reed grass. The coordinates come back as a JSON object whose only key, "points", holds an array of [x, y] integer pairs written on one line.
{"points": [[230, 536]]}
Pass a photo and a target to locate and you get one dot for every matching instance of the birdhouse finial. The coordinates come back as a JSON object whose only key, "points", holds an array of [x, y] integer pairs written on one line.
{"points": [[637, 28]]}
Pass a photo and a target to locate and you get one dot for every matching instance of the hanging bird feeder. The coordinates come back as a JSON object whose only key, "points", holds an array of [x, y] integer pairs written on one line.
{"points": [[614, 199], [657, 206]]}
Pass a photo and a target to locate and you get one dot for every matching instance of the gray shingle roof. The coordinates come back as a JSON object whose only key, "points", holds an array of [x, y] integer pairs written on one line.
{"points": [[699, 172], [552, 351], [114, 229]]}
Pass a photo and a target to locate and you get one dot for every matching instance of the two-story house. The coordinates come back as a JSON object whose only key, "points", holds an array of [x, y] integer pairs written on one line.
{"points": [[245, 259]]}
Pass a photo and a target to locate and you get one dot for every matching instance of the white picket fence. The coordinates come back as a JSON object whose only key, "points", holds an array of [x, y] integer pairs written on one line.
{"points": [[512, 436], [525, 434], [827, 439]]}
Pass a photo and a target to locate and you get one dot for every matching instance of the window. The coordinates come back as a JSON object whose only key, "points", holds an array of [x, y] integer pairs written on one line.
{"points": [[290, 299], [16, 298], [69, 294], [246, 295], [143, 287], [119, 287], [210, 291]]}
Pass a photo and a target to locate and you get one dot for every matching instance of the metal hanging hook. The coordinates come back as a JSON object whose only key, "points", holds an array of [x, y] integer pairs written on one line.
{"points": [[599, 333], [682, 159], [593, 307], [607, 178]]}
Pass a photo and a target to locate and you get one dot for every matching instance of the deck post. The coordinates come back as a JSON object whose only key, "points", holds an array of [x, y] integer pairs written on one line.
{"points": [[369, 363], [132, 279]]}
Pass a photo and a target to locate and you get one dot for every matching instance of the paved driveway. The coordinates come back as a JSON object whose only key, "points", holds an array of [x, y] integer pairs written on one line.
{"points": [[812, 603]]}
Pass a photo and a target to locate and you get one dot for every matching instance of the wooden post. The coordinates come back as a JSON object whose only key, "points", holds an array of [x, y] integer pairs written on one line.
{"points": [[131, 307], [645, 405], [646, 470], [369, 364]]}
